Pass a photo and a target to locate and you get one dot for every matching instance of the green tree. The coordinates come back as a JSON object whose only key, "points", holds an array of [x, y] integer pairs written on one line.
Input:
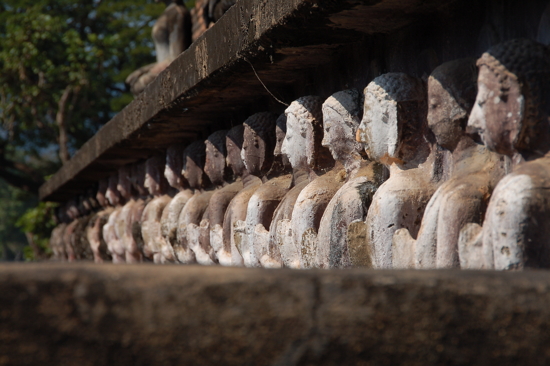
{"points": [[62, 70], [62, 66]]}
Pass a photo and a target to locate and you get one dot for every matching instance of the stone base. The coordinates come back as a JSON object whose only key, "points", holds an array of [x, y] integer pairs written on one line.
{"points": [[84, 314]]}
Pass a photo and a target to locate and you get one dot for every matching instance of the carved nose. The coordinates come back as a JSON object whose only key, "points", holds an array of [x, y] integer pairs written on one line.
{"points": [[475, 122]]}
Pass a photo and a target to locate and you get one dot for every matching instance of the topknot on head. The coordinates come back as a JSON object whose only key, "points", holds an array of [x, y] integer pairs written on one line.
{"points": [[523, 60], [459, 78], [307, 110], [217, 139], [397, 86], [236, 134], [348, 104], [263, 124]]}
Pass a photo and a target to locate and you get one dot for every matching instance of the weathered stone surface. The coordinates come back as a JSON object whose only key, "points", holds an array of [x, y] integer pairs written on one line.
{"points": [[59, 314]]}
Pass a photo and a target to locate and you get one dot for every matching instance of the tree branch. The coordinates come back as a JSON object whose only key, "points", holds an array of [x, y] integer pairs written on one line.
{"points": [[60, 120]]}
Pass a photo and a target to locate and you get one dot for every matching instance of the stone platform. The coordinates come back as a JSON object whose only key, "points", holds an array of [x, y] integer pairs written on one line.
{"points": [[84, 314]]}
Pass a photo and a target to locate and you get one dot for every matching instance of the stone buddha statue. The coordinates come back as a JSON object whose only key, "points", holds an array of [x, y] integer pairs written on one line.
{"points": [[110, 234], [262, 204], [396, 134], [198, 235], [309, 161], [169, 220], [259, 140], [86, 207], [219, 167], [512, 115], [157, 186], [474, 171], [261, 136], [171, 35], [71, 212], [142, 198], [341, 118], [206, 238], [193, 211], [56, 237], [131, 213], [94, 231]]}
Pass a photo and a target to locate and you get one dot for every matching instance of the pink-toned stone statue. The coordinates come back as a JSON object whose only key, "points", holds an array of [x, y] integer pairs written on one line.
{"points": [[395, 131], [266, 199], [206, 239], [259, 140], [110, 234], [309, 160], [512, 115], [474, 171], [341, 118], [194, 209], [169, 221], [79, 239], [171, 35], [94, 231], [152, 213], [219, 166], [72, 215], [142, 198], [261, 134], [130, 213]]}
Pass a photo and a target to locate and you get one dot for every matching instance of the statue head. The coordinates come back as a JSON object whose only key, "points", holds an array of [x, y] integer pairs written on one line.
{"points": [[341, 117], [138, 178], [234, 144], [216, 153], [193, 164], [302, 144], [72, 209], [155, 182], [174, 166], [512, 107], [280, 161], [113, 195], [452, 89], [394, 122], [124, 185], [102, 191], [259, 143]]}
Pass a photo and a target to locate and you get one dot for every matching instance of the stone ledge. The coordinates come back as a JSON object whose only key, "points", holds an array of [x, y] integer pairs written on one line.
{"points": [[212, 85], [84, 314]]}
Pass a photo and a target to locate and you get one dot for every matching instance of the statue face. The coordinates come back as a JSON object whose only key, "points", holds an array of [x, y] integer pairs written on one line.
{"points": [[280, 138], [379, 129], [338, 137], [253, 153], [172, 170], [233, 159], [214, 166], [124, 185], [444, 115], [295, 143], [497, 115], [100, 195], [152, 177], [192, 172], [112, 192]]}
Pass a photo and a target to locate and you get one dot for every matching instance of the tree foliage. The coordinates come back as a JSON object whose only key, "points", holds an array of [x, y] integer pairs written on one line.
{"points": [[62, 66], [62, 70]]}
